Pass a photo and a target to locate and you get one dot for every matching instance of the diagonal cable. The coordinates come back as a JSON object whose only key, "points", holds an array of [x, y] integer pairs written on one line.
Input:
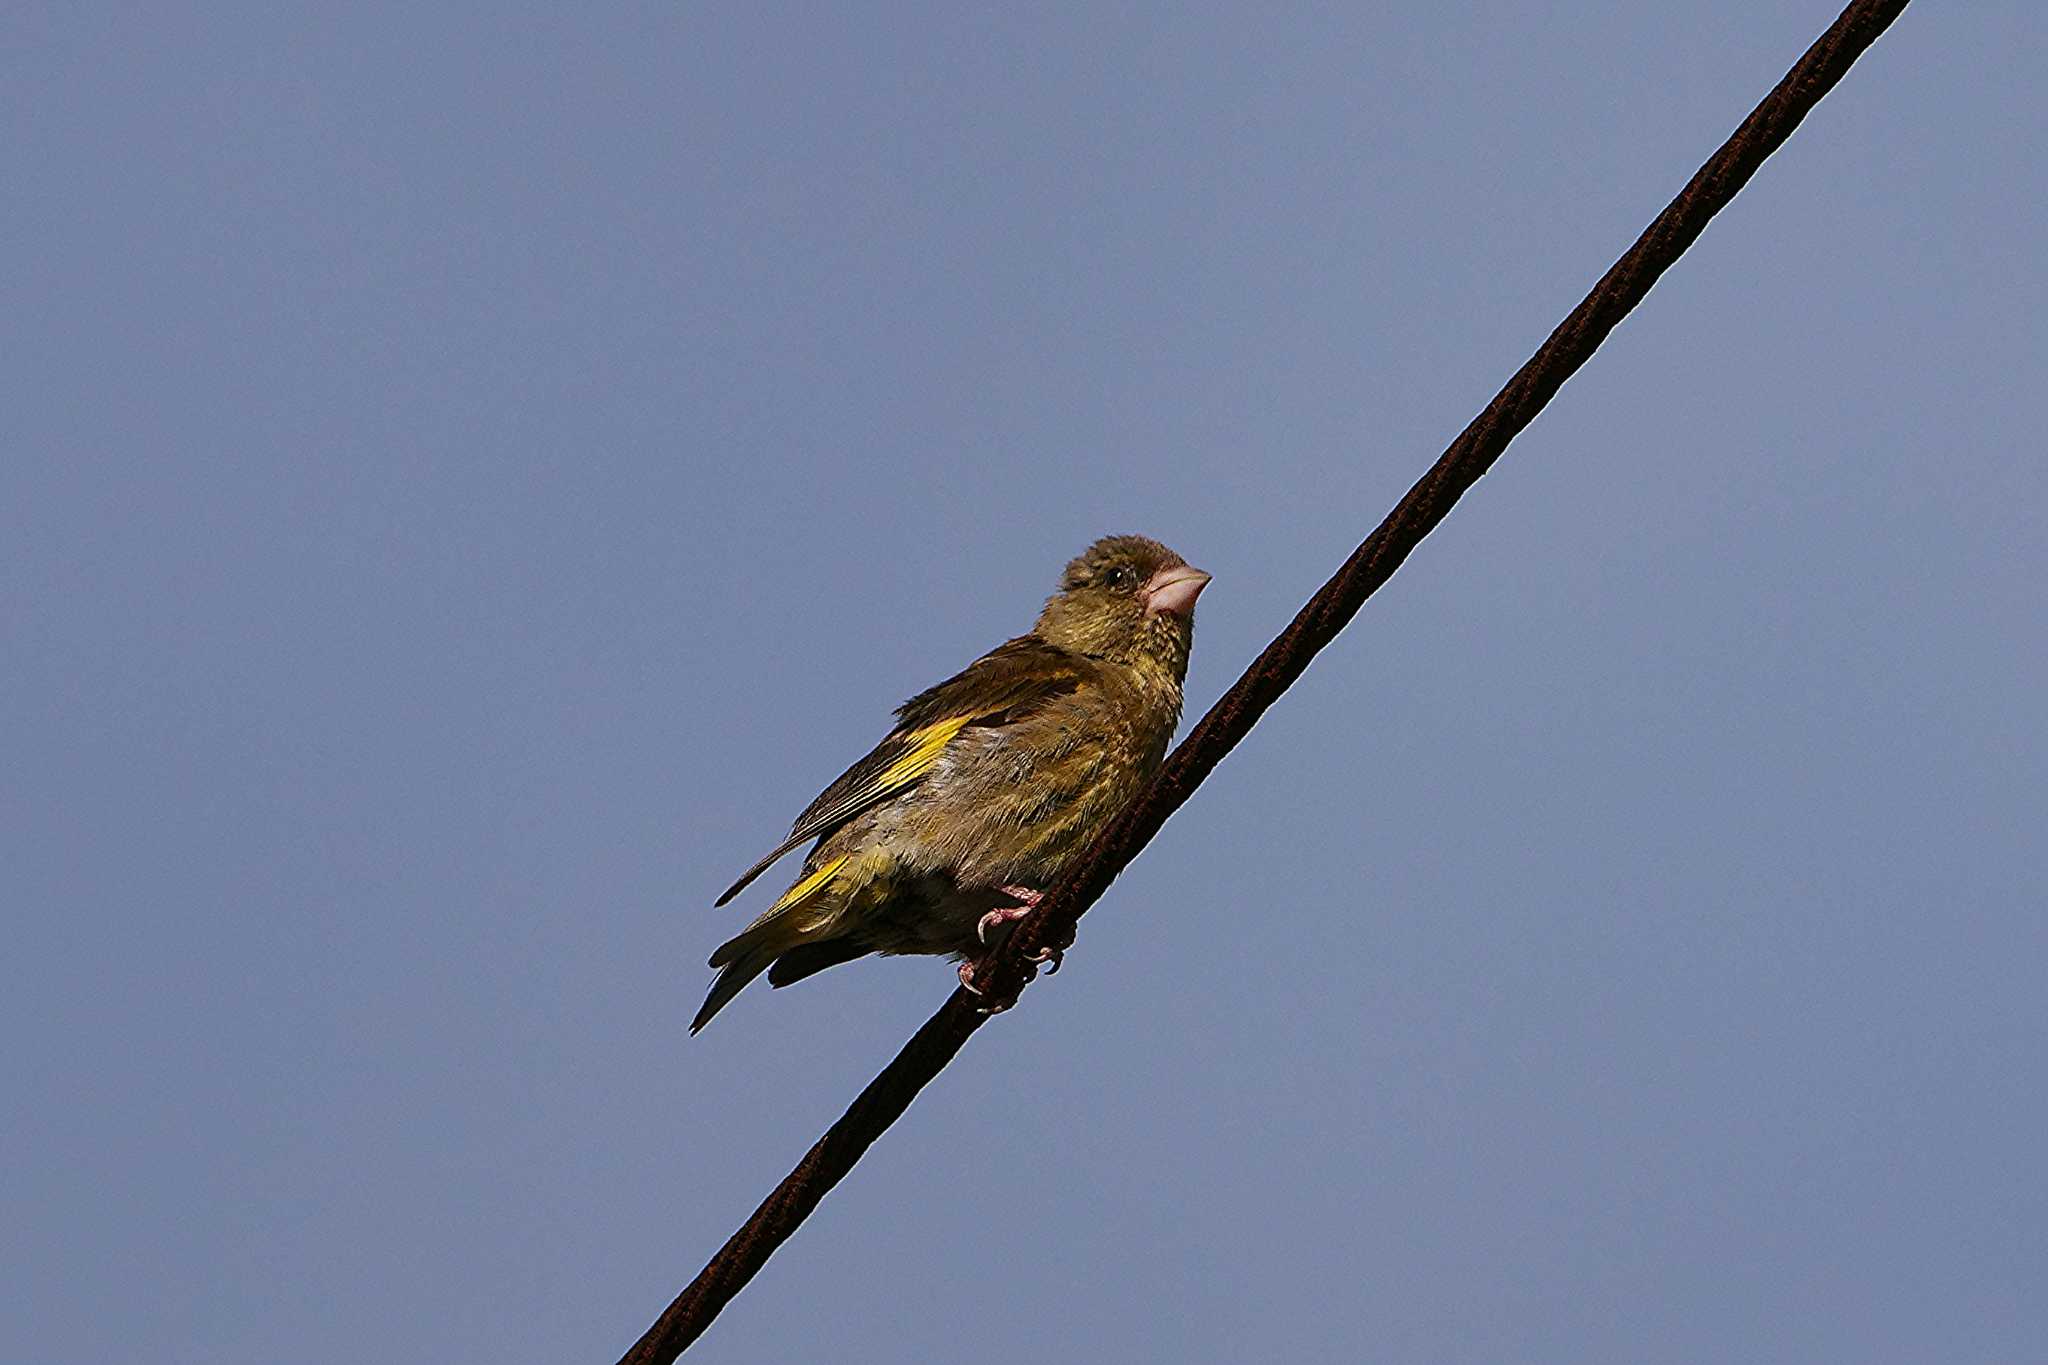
{"points": [[1008, 970]]}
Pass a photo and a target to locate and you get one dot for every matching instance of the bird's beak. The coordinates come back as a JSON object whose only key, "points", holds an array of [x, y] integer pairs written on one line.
{"points": [[1174, 590]]}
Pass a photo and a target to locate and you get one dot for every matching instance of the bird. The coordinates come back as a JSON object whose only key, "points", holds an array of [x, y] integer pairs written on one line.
{"points": [[989, 784]]}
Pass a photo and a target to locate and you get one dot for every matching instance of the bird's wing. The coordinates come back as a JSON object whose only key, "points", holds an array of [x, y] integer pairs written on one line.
{"points": [[1001, 686]]}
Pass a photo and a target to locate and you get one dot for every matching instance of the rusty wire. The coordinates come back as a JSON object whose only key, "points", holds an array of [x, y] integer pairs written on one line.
{"points": [[1007, 971]]}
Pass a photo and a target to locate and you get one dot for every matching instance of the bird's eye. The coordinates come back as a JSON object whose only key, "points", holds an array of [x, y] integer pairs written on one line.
{"points": [[1122, 576]]}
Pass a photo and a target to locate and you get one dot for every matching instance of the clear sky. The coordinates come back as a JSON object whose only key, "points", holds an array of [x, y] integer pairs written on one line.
{"points": [[474, 472]]}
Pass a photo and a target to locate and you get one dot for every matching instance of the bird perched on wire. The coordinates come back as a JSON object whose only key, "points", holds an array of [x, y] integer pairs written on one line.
{"points": [[991, 782]]}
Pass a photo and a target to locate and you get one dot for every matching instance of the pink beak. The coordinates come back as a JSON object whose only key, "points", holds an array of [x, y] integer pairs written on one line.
{"points": [[1174, 590]]}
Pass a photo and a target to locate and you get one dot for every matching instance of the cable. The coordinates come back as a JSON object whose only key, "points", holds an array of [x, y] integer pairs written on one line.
{"points": [[1007, 971]]}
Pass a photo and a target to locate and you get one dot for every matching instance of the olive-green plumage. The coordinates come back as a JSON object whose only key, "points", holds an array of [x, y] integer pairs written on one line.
{"points": [[990, 782]]}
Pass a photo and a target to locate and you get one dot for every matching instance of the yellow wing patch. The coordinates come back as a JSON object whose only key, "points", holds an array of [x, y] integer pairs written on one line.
{"points": [[924, 745], [930, 742], [807, 888]]}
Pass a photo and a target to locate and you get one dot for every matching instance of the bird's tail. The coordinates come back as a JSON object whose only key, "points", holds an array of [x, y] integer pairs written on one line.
{"points": [[731, 981], [806, 914]]}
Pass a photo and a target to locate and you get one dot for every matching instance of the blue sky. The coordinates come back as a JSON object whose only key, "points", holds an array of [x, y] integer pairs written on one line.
{"points": [[475, 473]]}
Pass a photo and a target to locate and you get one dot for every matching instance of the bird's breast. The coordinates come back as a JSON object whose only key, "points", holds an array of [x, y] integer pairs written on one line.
{"points": [[1011, 805]]}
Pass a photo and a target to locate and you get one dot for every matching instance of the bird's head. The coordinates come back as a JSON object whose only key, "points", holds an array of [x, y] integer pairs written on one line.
{"points": [[1129, 600]]}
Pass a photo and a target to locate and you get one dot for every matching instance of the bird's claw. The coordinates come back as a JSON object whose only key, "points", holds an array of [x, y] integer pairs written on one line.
{"points": [[1027, 900], [989, 1005], [995, 919], [1049, 957]]}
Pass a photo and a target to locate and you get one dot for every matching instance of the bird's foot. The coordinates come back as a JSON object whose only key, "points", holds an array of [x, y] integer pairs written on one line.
{"points": [[1049, 958], [998, 989], [988, 1004], [1027, 901], [996, 919]]}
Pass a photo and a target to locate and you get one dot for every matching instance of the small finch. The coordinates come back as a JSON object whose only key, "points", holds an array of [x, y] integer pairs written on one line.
{"points": [[990, 783]]}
